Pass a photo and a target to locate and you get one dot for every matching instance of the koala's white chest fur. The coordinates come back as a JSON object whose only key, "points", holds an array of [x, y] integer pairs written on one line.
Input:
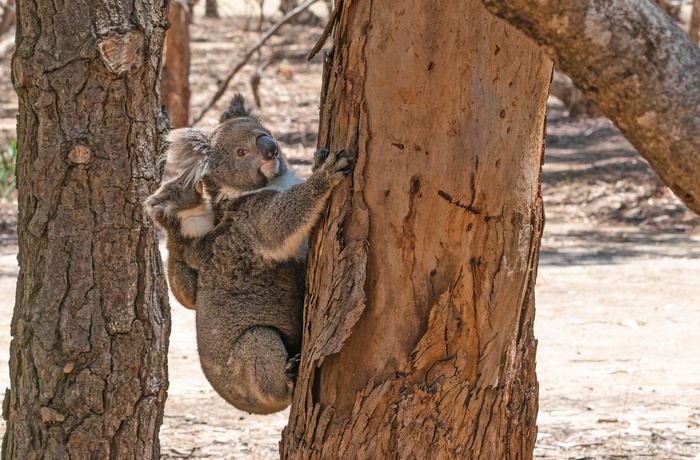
{"points": [[197, 221], [280, 183], [284, 182]]}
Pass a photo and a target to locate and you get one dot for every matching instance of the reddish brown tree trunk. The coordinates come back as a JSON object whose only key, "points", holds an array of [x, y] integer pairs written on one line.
{"points": [[636, 65], [91, 322], [694, 31], [418, 319], [669, 8], [175, 83]]}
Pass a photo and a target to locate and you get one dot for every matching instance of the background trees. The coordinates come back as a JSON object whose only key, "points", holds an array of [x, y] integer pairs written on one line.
{"points": [[91, 322], [637, 65], [418, 338], [694, 31], [285, 115], [175, 85]]}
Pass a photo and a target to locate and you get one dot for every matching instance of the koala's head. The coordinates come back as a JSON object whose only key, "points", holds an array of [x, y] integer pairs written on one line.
{"points": [[236, 156]]}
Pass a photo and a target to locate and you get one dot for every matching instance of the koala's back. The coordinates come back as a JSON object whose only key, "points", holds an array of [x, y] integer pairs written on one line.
{"points": [[239, 288]]}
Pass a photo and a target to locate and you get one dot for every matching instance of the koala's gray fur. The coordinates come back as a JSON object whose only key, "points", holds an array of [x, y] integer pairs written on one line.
{"points": [[180, 209], [238, 251]]}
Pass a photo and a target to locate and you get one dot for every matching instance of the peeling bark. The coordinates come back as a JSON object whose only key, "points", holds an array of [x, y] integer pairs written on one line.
{"points": [[636, 65], [418, 338], [91, 321]]}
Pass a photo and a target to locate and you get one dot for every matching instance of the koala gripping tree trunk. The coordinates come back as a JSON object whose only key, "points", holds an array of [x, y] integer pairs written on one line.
{"points": [[91, 321], [418, 339]]}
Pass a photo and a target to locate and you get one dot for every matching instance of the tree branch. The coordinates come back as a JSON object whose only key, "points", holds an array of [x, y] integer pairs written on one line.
{"points": [[637, 65], [270, 32]]}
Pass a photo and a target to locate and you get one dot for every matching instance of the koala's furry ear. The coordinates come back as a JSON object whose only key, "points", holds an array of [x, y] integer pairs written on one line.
{"points": [[187, 151], [237, 108]]}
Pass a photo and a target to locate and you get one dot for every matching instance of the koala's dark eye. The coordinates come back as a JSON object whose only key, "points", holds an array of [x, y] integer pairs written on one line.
{"points": [[241, 152]]}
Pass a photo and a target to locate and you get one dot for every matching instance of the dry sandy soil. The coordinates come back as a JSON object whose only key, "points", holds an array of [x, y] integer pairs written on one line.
{"points": [[618, 298]]}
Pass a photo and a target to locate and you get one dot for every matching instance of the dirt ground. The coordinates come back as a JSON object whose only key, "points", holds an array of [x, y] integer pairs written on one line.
{"points": [[618, 304]]}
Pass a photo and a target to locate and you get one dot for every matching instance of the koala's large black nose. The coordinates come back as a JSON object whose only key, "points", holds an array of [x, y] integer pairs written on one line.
{"points": [[268, 147]]}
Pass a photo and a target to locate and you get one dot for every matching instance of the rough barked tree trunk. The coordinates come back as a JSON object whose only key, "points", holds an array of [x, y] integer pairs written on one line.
{"points": [[418, 339], [175, 83], [91, 321], [694, 31], [636, 65]]}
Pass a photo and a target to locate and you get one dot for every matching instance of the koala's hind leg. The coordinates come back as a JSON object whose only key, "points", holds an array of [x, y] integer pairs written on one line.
{"points": [[262, 373], [180, 210], [183, 281]]}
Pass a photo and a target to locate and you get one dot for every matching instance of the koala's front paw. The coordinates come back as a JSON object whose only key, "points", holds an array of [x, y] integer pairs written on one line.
{"points": [[158, 207], [172, 198], [337, 165]]}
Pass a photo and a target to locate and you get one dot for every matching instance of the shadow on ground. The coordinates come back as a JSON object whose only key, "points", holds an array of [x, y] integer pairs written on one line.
{"points": [[573, 245]]}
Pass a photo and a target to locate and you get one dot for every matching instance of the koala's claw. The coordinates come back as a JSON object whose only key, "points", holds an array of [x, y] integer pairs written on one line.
{"points": [[338, 164], [349, 160], [156, 207], [341, 161], [292, 368], [320, 157]]}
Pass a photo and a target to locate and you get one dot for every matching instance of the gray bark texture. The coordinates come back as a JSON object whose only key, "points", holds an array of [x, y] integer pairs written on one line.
{"points": [[418, 339], [91, 321], [636, 65]]}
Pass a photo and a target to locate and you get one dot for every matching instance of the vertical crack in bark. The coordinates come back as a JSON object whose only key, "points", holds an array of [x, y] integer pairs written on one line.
{"points": [[409, 237], [474, 263]]}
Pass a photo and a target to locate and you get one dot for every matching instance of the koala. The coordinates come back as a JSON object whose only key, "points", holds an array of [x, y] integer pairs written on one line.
{"points": [[180, 209], [237, 223]]}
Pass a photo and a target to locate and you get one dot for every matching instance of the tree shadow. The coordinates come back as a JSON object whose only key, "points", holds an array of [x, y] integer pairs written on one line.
{"points": [[612, 246], [602, 155]]}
